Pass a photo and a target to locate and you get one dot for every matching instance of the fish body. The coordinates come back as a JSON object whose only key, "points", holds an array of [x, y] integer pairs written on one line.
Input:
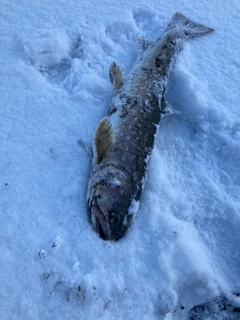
{"points": [[124, 139]]}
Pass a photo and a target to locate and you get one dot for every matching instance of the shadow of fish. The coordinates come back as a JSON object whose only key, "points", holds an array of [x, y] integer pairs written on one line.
{"points": [[124, 139]]}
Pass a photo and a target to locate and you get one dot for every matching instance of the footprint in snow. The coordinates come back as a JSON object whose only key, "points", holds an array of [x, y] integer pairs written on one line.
{"points": [[51, 53], [121, 32], [150, 23], [142, 17]]}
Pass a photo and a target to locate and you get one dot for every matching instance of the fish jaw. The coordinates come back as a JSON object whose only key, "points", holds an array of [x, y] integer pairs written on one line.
{"points": [[107, 229], [108, 203], [99, 223]]}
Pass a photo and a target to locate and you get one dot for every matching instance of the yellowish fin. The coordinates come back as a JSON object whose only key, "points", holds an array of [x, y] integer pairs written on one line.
{"points": [[103, 138], [116, 75]]}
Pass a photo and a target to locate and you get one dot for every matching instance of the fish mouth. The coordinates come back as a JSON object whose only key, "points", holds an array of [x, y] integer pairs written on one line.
{"points": [[100, 231], [99, 222]]}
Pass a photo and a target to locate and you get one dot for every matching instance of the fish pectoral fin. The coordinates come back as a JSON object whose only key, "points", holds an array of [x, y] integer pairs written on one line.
{"points": [[144, 44], [103, 139], [116, 75], [85, 148]]}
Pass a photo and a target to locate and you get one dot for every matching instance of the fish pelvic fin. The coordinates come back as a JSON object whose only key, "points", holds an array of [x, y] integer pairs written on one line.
{"points": [[191, 29], [103, 138], [116, 75]]}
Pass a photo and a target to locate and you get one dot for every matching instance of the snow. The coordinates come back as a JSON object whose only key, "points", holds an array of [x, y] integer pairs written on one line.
{"points": [[182, 249]]}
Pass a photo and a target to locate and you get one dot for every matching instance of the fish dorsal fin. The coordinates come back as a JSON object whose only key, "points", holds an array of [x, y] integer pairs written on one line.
{"points": [[116, 75], [103, 138], [144, 44]]}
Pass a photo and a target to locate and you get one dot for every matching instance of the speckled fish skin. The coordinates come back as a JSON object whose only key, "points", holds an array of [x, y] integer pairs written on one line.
{"points": [[118, 176]]}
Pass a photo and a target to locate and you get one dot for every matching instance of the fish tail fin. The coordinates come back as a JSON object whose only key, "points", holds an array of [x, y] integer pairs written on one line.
{"points": [[191, 29]]}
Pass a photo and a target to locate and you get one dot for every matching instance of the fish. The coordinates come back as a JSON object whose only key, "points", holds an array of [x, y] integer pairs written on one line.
{"points": [[124, 138]]}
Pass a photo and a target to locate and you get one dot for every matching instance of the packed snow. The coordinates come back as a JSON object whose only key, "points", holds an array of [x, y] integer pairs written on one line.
{"points": [[182, 249]]}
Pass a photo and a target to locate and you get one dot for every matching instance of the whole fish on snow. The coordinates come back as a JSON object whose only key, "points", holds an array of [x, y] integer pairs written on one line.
{"points": [[124, 139]]}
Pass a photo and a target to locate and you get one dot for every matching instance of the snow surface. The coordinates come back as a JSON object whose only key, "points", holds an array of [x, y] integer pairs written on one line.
{"points": [[183, 246]]}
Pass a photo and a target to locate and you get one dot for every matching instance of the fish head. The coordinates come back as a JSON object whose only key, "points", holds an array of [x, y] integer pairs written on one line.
{"points": [[109, 201]]}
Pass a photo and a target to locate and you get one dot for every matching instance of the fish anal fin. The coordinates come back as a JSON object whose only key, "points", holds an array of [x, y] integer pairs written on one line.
{"points": [[167, 108], [103, 138], [116, 75]]}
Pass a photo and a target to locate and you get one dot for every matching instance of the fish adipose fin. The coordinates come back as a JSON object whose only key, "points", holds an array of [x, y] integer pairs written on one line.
{"points": [[116, 75], [144, 44], [103, 138], [191, 29]]}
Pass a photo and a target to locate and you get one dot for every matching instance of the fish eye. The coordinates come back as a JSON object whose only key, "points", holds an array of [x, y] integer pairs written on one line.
{"points": [[112, 216]]}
